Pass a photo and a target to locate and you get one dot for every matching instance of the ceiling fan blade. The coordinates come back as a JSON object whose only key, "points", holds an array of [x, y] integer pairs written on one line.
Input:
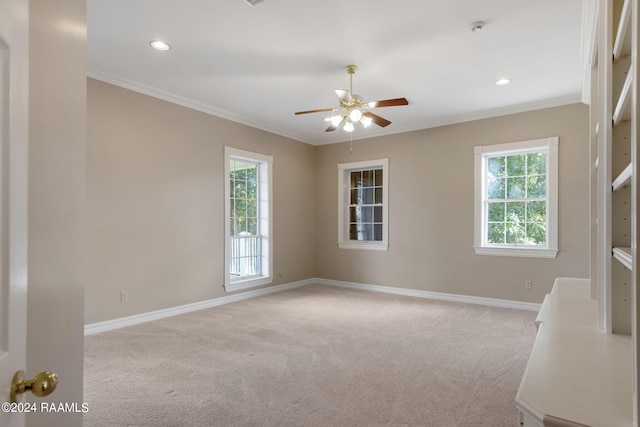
{"points": [[316, 111], [388, 103], [344, 95], [334, 127], [382, 122]]}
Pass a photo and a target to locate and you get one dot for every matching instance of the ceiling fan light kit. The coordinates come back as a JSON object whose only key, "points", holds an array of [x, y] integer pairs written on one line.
{"points": [[353, 109]]}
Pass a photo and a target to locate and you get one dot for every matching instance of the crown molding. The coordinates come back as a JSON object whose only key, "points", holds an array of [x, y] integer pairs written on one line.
{"points": [[195, 105], [189, 103]]}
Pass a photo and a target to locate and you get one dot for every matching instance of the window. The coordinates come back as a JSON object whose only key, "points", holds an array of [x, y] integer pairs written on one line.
{"points": [[362, 205], [248, 219], [516, 191]]}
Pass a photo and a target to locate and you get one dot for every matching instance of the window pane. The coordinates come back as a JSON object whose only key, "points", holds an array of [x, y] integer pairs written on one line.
{"points": [[378, 196], [355, 179], [495, 166], [537, 211], [252, 189], [377, 214], [252, 226], [368, 214], [360, 231], [537, 163], [536, 233], [496, 211], [252, 208], [515, 188], [354, 214], [516, 165], [241, 225], [240, 174], [377, 232], [367, 196], [354, 197], [495, 232], [241, 189], [378, 178], [252, 173], [495, 188], [367, 178], [353, 232], [365, 232], [515, 233], [516, 212], [537, 186]]}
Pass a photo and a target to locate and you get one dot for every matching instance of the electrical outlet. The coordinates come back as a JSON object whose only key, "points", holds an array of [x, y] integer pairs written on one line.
{"points": [[528, 284], [124, 296]]}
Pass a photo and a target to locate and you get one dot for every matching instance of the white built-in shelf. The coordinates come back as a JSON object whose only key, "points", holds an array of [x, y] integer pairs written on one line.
{"points": [[623, 179], [622, 44], [576, 372], [624, 256], [622, 111]]}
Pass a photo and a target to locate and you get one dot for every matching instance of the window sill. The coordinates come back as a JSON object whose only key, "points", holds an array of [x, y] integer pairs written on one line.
{"points": [[516, 252], [367, 246], [254, 282]]}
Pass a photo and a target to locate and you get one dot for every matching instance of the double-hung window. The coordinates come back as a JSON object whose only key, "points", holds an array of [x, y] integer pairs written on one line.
{"points": [[516, 199], [248, 229], [363, 205]]}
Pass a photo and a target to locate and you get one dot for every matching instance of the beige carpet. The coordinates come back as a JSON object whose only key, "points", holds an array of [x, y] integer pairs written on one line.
{"points": [[313, 356]]}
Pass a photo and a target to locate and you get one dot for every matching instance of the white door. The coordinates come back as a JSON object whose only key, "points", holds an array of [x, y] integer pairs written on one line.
{"points": [[13, 201]]}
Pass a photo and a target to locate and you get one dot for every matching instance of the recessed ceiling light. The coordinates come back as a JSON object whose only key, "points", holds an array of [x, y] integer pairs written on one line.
{"points": [[503, 81], [159, 45]]}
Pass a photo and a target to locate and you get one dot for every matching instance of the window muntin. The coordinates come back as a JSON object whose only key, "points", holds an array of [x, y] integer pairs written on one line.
{"points": [[366, 205], [248, 224], [362, 205], [516, 198], [244, 224]]}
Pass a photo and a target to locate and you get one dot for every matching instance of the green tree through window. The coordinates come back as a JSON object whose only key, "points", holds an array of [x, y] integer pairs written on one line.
{"points": [[517, 199], [244, 198]]}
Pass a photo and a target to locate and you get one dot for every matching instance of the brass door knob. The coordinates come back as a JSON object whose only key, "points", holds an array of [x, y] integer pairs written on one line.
{"points": [[41, 385]]}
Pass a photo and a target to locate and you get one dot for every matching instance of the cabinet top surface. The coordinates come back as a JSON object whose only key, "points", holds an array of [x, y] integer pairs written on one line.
{"points": [[577, 372]]}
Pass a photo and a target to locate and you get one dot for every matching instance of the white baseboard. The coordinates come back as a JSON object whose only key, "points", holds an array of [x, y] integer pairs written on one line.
{"points": [[468, 299], [122, 322]]}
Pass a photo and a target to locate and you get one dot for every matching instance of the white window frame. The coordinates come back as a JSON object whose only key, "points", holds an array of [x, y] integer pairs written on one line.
{"points": [[550, 250], [265, 212], [344, 170]]}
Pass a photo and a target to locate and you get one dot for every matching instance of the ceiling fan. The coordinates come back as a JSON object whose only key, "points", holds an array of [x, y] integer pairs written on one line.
{"points": [[353, 109]]}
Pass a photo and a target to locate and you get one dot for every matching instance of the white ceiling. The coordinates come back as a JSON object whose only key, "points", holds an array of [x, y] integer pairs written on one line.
{"points": [[259, 64]]}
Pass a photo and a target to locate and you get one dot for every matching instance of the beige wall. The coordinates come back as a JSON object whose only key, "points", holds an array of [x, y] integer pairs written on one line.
{"points": [[155, 205], [431, 209], [56, 203], [155, 195]]}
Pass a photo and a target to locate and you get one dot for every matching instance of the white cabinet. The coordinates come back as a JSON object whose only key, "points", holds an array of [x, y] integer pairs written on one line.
{"points": [[577, 374]]}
